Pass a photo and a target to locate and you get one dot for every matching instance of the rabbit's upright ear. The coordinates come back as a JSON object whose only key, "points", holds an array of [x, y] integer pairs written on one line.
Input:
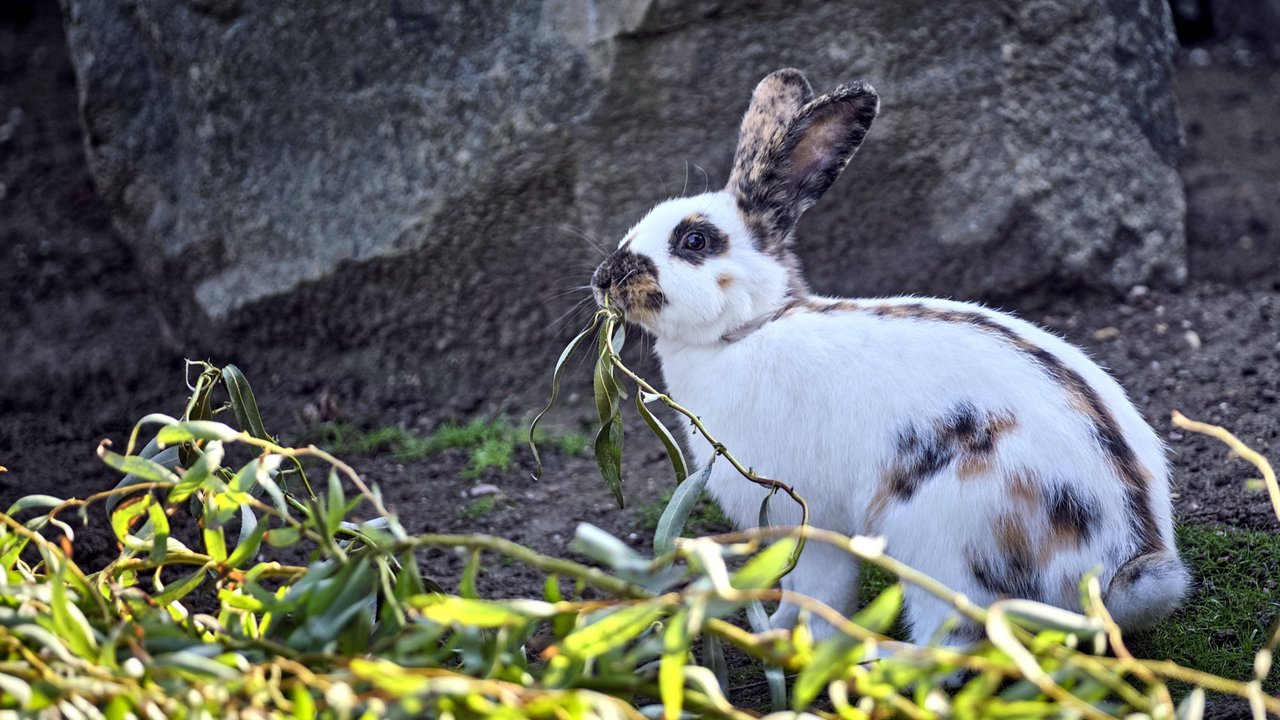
{"points": [[774, 104], [795, 166]]}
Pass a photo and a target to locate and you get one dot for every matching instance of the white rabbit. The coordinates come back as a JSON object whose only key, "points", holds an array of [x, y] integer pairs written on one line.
{"points": [[988, 453]]}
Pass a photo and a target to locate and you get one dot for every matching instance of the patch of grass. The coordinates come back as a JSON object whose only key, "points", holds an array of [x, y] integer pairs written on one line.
{"points": [[478, 508], [571, 443], [706, 519], [1231, 612], [491, 443]]}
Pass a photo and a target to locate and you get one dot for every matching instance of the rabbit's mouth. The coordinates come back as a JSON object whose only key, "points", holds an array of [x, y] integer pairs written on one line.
{"points": [[630, 281]]}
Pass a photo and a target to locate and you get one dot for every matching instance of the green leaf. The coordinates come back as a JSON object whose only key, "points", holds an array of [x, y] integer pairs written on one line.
{"points": [[675, 648], [467, 585], [830, 660], [304, 705], [334, 504], [608, 451], [215, 543], [68, 621], [555, 389], [191, 430], [765, 568], [611, 631], [605, 388], [879, 614], [201, 471], [676, 514], [668, 440], [243, 403], [145, 470], [450, 610], [33, 501], [159, 531], [773, 674], [248, 546], [190, 662], [283, 537], [180, 589], [127, 513]]}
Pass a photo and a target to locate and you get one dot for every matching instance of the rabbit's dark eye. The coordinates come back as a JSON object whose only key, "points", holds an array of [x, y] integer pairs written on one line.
{"points": [[695, 241]]}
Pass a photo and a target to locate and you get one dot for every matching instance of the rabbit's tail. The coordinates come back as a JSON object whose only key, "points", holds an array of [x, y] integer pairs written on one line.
{"points": [[1147, 589]]}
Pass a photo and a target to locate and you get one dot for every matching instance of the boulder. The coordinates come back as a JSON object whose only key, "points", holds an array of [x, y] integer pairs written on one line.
{"points": [[420, 184]]}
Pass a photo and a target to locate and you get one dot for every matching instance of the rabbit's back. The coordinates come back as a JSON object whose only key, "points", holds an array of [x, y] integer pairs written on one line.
{"points": [[990, 453]]}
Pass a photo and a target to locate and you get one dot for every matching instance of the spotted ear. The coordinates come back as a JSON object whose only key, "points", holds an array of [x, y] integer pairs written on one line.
{"points": [[774, 104], [795, 166]]}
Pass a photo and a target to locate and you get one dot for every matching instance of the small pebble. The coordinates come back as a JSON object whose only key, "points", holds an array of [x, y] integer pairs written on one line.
{"points": [[1175, 436], [1162, 328], [1192, 339], [485, 489], [1106, 333], [1137, 292]]}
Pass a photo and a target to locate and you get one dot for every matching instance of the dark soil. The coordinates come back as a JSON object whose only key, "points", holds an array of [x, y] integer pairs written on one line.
{"points": [[83, 353]]}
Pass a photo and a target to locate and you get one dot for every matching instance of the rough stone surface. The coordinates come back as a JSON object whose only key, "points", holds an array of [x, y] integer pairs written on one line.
{"points": [[406, 179]]}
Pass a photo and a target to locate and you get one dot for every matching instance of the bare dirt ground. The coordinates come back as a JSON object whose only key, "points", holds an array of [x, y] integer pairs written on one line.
{"points": [[83, 355]]}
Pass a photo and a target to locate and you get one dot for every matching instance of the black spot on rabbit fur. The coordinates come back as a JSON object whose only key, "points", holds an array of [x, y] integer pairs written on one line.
{"points": [[1072, 512], [717, 242], [963, 433]]}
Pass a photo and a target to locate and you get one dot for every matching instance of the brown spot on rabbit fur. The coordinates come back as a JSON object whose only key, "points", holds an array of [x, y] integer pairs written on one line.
{"points": [[724, 281], [1013, 570]]}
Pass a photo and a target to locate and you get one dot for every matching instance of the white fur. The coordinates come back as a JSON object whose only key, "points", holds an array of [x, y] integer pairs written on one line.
{"points": [[817, 400]]}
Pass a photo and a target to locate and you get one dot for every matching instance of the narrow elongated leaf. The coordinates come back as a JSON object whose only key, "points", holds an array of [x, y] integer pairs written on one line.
{"points": [[33, 501], [668, 440], [167, 459], [676, 514], [201, 471], [773, 674], [248, 546], [675, 648], [766, 567], [611, 631], [145, 470], [68, 621], [215, 543], [190, 430], [175, 591], [555, 389], [467, 585], [243, 403], [879, 614], [126, 514], [608, 451], [448, 610], [714, 660], [159, 531], [830, 659]]}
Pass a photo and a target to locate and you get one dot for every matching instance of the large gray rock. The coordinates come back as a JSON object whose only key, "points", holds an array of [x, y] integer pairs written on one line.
{"points": [[401, 173]]}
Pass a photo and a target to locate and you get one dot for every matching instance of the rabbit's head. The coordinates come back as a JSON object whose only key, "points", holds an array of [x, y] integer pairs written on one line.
{"points": [[696, 268]]}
